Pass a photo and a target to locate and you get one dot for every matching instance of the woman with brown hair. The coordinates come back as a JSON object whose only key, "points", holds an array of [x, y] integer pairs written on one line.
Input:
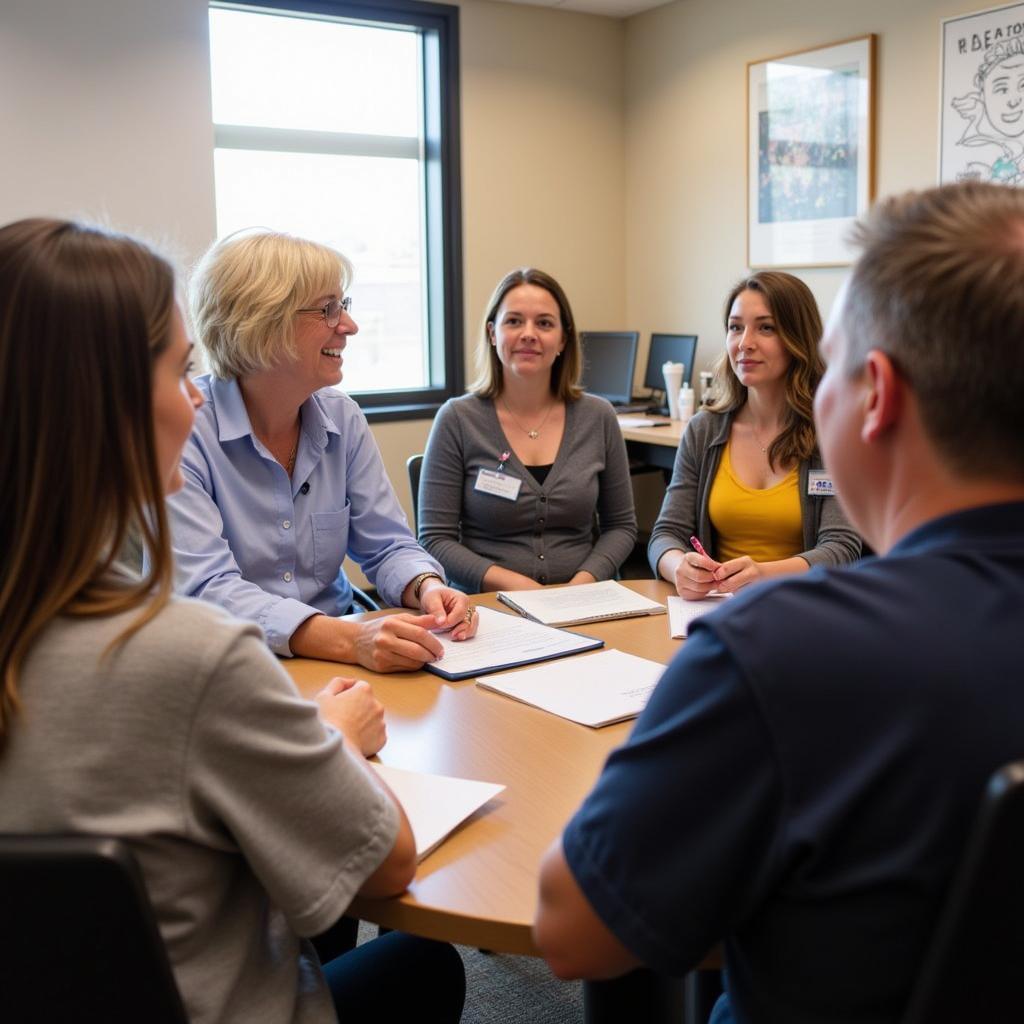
{"points": [[748, 484], [127, 712], [525, 480]]}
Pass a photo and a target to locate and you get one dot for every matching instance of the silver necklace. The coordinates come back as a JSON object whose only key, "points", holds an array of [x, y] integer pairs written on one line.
{"points": [[531, 434]]}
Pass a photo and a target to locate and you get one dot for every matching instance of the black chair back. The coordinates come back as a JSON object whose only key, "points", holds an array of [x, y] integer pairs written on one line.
{"points": [[974, 967], [78, 939], [414, 464]]}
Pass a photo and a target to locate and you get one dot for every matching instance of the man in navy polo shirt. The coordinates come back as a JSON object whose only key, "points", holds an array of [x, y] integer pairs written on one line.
{"points": [[802, 783]]}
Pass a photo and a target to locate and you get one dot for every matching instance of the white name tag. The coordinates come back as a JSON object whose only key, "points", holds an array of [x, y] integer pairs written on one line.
{"points": [[501, 485], [819, 484]]}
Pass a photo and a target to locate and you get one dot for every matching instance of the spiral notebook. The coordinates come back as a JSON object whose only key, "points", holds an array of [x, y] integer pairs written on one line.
{"points": [[572, 606]]}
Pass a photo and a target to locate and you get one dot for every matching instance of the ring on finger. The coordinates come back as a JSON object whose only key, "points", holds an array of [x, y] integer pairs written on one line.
{"points": [[470, 612]]}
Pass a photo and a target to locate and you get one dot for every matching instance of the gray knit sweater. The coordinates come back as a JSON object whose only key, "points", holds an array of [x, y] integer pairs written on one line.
{"points": [[828, 537], [548, 532]]}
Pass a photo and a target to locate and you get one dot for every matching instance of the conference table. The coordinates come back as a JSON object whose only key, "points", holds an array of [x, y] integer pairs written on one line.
{"points": [[479, 887]]}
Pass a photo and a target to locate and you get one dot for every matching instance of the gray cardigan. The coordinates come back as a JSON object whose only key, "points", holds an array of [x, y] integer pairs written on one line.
{"points": [[828, 537], [548, 532]]}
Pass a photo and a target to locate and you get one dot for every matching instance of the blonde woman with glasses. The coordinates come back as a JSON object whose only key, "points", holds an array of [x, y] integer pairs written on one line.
{"points": [[283, 478]]}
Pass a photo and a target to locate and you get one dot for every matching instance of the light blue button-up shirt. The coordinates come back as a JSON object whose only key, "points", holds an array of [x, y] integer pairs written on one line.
{"points": [[269, 548]]}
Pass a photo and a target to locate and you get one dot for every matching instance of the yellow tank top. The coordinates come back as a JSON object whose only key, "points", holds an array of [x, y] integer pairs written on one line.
{"points": [[764, 524]]}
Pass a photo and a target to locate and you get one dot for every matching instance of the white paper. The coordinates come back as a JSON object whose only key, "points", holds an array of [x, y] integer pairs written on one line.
{"points": [[589, 602], [505, 639], [596, 690], [682, 612], [638, 421], [435, 804]]}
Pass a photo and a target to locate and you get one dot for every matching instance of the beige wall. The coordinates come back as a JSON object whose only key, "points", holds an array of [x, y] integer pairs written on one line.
{"points": [[111, 118], [686, 137], [543, 169], [105, 114], [611, 153]]}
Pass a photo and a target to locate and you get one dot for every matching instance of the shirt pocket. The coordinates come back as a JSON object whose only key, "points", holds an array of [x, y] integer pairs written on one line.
{"points": [[330, 541]]}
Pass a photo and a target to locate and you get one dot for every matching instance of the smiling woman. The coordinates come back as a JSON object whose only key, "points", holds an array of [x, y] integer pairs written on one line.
{"points": [[748, 480], [282, 476], [525, 480]]}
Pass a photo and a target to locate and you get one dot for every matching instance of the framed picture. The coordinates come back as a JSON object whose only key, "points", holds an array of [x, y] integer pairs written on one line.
{"points": [[981, 120], [810, 153]]}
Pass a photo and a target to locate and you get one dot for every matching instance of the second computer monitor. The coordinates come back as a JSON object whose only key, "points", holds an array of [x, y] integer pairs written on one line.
{"points": [[609, 359], [669, 348]]}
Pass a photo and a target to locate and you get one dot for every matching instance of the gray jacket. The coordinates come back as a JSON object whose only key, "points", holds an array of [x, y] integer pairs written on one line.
{"points": [[828, 537], [548, 532]]}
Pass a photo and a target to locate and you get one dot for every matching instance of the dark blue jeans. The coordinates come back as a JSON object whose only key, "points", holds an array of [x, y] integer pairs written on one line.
{"points": [[395, 977]]}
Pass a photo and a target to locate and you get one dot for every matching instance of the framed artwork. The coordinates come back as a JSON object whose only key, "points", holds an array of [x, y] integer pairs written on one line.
{"points": [[810, 153], [981, 119]]}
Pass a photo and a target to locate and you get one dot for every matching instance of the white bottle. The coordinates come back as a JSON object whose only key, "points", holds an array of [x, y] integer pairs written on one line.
{"points": [[686, 402]]}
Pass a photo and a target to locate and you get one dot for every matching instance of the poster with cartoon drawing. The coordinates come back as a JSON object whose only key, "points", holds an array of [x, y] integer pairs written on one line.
{"points": [[981, 131]]}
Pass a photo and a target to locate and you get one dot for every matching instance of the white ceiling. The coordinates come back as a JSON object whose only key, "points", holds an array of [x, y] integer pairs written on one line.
{"points": [[610, 8]]}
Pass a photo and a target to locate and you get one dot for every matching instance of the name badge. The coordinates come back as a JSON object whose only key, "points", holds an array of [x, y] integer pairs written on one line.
{"points": [[819, 484], [501, 485]]}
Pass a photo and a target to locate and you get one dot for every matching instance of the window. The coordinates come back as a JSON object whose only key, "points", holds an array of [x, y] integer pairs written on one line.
{"points": [[339, 122]]}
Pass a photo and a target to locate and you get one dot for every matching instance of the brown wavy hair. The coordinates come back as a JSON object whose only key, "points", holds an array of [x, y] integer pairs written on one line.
{"points": [[83, 313], [798, 323], [565, 373]]}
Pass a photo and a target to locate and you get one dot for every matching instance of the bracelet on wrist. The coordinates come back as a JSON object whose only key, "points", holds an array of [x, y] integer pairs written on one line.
{"points": [[418, 581]]}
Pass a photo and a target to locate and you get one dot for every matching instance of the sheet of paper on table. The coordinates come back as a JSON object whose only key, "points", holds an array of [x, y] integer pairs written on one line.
{"points": [[505, 641], [627, 422], [681, 612], [435, 804], [573, 606], [598, 690]]}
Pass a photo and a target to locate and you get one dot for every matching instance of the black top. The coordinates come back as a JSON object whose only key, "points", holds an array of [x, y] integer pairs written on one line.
{"points": [[540, 473]]}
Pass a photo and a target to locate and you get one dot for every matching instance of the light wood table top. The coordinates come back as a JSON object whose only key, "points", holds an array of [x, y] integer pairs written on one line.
{"points": [[479, 888], [669, 435]]}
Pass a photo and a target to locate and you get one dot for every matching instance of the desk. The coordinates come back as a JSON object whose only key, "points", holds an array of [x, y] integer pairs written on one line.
{"points": [[654, 446], [479, 888]]}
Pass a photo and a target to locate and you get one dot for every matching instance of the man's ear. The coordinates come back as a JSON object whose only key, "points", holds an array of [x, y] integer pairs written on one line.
{"points": [[884, 396]]}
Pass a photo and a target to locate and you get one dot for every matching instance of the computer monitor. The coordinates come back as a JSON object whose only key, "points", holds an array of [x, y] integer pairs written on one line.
{"points": [[669, 348], [609, 359]]}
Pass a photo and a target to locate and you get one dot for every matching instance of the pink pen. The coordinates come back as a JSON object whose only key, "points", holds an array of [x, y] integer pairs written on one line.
{"points": [[699, 548]]}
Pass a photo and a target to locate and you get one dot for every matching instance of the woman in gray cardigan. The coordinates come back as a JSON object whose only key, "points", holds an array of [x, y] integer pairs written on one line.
{"points": [[748, 482], [525, 480]]}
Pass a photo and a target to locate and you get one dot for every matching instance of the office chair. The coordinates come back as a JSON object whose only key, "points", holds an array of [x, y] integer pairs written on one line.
{"points": [[78, 940], [414, 464], [361, 597], [972, 969]]}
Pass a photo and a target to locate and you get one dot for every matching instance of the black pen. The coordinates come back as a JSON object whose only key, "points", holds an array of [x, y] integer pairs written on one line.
{"points": [[653, 425]]}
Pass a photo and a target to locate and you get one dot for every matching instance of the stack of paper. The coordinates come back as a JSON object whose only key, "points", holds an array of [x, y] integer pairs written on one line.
{"points": [[589, 602], [435, 804], [504, 641], [681, 612], [608, 687]]}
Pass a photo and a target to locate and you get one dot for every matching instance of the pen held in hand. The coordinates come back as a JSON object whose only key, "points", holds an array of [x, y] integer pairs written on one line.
{"points": [[699, 548]]}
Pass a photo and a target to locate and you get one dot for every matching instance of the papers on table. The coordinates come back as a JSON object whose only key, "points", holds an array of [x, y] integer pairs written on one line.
{"points": [[640, 421], [681, 613], [608, 687], [504, 641], [589, 602], [435, 804]]}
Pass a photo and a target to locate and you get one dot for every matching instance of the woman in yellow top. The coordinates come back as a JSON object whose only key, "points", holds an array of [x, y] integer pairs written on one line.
{"points": [[748, 482]]}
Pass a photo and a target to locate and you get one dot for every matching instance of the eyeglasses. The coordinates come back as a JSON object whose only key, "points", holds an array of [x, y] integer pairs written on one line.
{"points": [[332, 311]]}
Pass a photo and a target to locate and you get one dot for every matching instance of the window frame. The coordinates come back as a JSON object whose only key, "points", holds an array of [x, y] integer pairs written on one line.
{"points": [[442, 182]]}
